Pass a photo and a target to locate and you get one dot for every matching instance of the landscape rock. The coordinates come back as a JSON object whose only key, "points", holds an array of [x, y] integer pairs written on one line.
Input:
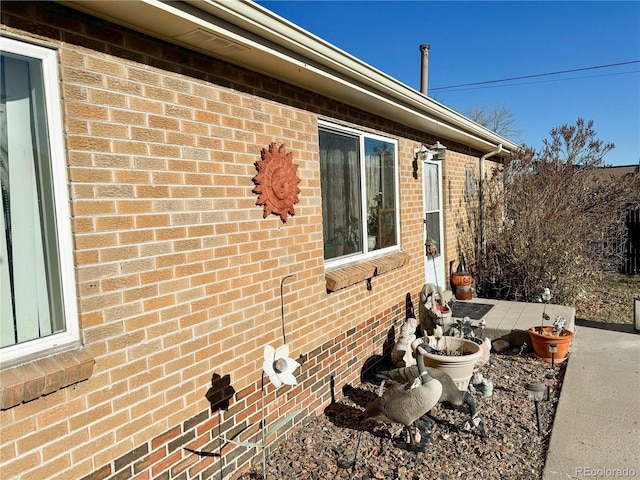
{"points": [[500, 345], [512, 450]]}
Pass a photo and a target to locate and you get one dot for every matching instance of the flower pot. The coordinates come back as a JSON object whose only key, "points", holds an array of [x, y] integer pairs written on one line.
{"points": [[541, 338], [459, 367]]}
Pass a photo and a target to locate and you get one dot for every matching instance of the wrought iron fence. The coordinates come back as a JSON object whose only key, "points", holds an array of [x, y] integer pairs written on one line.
{"points": [[631, 263]]}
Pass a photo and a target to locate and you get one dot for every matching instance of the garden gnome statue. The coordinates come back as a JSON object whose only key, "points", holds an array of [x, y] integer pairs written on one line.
{"points": [[402, 356]]}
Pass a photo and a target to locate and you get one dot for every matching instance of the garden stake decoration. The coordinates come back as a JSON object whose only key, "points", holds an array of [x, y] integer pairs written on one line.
{"points": [[431, 250], [278, 366], [437, 334], [279, 369], [546, 296]]}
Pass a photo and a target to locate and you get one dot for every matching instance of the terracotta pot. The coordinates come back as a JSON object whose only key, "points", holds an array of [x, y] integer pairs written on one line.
{"points": [[541, 338], [459, 367], [464, 292]]}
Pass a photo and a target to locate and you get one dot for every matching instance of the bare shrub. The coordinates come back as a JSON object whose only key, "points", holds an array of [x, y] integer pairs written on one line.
{"points": [[546, 218]]}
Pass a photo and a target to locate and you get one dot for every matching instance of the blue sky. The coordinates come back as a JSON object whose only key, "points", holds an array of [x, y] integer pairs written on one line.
{"points": [[478, 41]]}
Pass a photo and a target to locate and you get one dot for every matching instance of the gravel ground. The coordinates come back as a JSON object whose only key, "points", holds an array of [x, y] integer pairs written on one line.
{"points": [[512, 449]]}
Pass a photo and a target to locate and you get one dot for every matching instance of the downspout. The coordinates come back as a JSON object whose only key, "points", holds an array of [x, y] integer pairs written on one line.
{"points": [[483, 237]]}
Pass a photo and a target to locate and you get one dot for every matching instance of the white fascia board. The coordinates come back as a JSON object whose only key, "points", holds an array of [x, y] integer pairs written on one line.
{"points": [[246, 34], [428, 112]]}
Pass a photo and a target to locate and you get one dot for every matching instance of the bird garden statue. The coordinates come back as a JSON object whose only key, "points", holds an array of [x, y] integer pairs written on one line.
{"points": [[450, 393], [407, 403], [402, 355]]}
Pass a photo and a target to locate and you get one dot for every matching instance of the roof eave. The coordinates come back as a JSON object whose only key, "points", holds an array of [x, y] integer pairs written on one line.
{"points": [[246, 34]]}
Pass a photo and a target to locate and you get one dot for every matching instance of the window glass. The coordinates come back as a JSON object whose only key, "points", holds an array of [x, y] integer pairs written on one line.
{"points": [[432, 205], [341, 194], [359, 194], [381, 192], [32, 306]]}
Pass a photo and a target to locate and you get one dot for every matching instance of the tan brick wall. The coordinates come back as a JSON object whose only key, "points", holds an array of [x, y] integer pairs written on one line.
{"points": [[458, 204], [178, 274], [455, 201]]}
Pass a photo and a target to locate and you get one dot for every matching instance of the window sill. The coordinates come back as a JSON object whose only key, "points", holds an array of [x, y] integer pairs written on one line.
{"points": [[343, 276], [32, 380]]}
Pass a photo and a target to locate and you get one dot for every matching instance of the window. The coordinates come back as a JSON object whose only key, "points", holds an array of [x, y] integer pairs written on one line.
{"points": [[37, 295], [358, 174]]}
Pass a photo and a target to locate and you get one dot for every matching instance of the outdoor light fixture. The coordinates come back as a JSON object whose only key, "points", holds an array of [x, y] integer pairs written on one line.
{"points": [[553, 348], [549, 378], [420, 152], [536, 393], [437, 151]]}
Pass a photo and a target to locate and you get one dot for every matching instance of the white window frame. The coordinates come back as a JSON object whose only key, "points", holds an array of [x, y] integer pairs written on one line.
{"points": [[332, 263], [57, 342]]}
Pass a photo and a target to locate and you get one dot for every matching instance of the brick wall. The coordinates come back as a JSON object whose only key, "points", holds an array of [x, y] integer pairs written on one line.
{"points": [[178, 275], [459, 203], [192, 449]]}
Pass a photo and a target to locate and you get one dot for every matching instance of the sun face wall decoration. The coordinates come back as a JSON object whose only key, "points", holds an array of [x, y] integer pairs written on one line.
{"points": [[277, 182]]}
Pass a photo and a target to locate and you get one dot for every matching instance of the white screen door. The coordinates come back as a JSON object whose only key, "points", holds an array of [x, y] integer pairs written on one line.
{"points": [[432, 219]]}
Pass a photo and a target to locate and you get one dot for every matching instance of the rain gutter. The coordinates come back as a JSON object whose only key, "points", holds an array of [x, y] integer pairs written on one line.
{"points": [[248, 35]]}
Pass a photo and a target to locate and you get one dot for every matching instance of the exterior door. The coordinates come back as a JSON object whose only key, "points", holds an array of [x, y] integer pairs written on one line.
{"points": [[433, 223]]}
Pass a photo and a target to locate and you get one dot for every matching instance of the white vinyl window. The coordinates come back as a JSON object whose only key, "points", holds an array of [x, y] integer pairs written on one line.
{"points": [[38, 312], [359, 183]]}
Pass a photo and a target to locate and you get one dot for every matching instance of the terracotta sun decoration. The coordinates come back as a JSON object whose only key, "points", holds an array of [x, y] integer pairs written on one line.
{"points": [[277, 182]]}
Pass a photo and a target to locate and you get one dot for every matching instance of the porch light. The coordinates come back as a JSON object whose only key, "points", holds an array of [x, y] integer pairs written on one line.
{"points": [[437, 151]]}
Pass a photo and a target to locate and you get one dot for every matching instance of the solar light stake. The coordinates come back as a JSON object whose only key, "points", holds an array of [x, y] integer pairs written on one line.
{"points": [[536, 393], [553, 348], [549, 381]]}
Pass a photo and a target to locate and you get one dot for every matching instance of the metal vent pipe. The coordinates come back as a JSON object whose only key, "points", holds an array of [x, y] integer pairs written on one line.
{"points": [[424, 68]]}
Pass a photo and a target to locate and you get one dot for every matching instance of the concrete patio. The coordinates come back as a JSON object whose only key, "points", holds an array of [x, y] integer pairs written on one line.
{"points": [[508, 319]]}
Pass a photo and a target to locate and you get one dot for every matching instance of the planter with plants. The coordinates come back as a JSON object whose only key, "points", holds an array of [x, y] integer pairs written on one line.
{"points": [[456, 356], [551, 343]]}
